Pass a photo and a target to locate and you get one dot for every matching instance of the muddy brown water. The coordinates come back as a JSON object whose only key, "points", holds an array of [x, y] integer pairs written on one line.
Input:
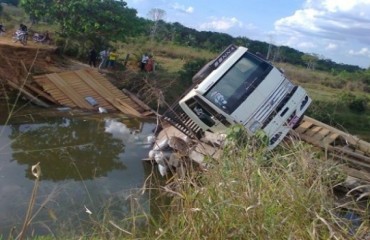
{"points": [[88, 163]]}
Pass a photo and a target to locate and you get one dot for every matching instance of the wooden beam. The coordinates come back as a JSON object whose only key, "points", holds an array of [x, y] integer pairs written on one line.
{"points": [[28, 94], [39, 92], [136, 100]]}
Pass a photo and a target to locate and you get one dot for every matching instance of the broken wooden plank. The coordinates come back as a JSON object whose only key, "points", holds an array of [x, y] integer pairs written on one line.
{"points": [[101, 90], [70, 92], [28, 94], [39, 92], [136, 100], [303, 127]]}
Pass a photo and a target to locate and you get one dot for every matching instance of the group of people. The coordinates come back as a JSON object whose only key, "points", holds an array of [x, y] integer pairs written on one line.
{"points": [[147, 63], [107, 57], [21, 30]]}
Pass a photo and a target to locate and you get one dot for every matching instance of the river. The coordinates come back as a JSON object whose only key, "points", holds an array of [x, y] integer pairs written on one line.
{"points": [[89, 164]]}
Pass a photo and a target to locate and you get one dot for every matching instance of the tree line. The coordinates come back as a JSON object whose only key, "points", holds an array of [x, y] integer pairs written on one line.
{"points": [[102, 21]]}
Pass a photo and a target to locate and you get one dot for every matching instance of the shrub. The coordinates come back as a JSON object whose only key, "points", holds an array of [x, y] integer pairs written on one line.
{"points": [[356, 103], [190, 69]]}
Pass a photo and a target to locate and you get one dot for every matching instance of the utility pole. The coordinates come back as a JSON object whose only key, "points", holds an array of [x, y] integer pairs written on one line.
{"points": [[270, 47]]}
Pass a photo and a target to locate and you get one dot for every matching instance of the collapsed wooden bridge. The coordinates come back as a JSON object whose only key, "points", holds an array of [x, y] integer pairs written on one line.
{"points": [[352, 153], [44, 77], [88, 89]]}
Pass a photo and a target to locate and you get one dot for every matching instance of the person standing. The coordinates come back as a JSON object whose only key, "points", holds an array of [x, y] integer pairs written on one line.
{"points": [[104, 58], [2, 29], [92, 57], [149, 66], [112, 59], [144, 61]]}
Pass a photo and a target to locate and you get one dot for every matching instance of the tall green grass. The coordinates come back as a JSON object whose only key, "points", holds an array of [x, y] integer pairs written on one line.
{"points": [[251, 194]]}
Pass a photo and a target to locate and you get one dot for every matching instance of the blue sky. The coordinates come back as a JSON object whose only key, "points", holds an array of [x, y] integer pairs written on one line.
{"points": [[334, 29]]}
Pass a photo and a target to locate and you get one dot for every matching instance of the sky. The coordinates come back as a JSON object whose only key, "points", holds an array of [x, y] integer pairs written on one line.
{"points": [[333, 29]]}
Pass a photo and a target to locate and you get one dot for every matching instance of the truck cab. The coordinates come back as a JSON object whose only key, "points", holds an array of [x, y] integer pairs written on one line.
{"points": [[239, 87]]}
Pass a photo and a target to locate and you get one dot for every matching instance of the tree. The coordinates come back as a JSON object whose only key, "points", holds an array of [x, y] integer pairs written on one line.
{"points": [[156, 14], [310, 60], [37, 9], [93, 20], [11, 2]]}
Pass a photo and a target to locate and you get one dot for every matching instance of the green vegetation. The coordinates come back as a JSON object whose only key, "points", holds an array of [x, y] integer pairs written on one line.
{"points": [[251, 194], [339, 99], [115, 21], [247, 193]]}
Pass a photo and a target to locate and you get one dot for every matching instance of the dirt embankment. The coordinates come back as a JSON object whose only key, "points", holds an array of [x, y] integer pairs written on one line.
{"points": [[17, 61]]}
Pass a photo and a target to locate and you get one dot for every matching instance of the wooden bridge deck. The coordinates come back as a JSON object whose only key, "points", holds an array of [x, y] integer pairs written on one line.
{"points": [[88, 89], [352, 153]]}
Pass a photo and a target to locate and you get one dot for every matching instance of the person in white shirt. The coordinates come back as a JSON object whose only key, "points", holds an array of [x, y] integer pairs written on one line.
{"points": [[104, 58]]}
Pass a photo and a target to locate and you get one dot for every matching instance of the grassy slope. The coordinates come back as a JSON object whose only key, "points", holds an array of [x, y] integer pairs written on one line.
{"points": [[326, 104]]}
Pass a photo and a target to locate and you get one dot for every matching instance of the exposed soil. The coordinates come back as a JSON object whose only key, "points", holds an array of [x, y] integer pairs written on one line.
{"points": [[37, 58], [18, 61]]}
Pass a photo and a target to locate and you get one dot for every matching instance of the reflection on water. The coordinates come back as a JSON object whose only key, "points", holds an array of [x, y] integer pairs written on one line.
{"points": [[85, 162]]}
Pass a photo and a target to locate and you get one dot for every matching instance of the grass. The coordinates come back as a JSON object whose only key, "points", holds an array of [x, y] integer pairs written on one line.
{"points": [[326, 90], [247, 193], [12, 16], [168, 56], [251, 194]]}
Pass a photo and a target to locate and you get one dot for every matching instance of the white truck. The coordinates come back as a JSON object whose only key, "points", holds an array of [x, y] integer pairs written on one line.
{"points": [[239, 87]]}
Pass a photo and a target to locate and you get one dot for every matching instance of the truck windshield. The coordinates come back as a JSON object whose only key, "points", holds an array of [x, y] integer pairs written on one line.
{"points": [[238, 82]]}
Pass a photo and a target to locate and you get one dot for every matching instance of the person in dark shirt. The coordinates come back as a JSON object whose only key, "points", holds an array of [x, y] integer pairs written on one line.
{"points": [[23, 27], [92, 57], [2, 29]]}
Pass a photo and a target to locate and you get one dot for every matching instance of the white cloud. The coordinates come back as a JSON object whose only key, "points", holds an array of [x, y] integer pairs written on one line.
{"points": [[298, 42], [323, 25], [330, 19], [335, 5], [190, 10], [331, 46], [221, 24], [306, 45], [183, 8], [362, 52]]}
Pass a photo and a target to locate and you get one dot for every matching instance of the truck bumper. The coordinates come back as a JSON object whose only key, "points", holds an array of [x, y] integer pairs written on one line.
{"points": [[287, 118]]}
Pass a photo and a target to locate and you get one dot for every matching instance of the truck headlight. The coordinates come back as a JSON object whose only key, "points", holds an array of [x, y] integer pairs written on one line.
{"points": [[255, 126], [288, 85]]}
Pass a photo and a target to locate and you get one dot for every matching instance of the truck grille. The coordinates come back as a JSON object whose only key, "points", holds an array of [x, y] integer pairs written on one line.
{"points": [[269, 111], [181, 121]]}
